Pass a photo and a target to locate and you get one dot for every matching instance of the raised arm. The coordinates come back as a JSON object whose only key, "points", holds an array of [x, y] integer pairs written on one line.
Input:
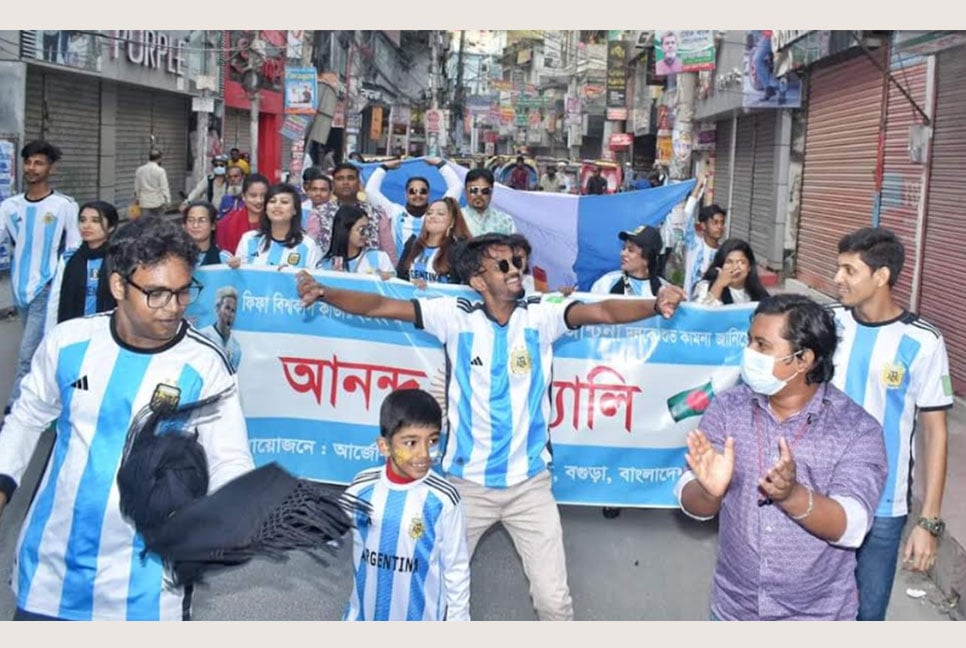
{"points": [[620, 311], [374, 188], [354, 301]]}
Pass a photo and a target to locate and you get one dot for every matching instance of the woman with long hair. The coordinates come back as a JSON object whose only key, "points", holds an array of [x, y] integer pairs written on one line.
{"points": [[732, 277], [199, 221], [80, 284], [279, 239], [349, 249], [429, 256]]}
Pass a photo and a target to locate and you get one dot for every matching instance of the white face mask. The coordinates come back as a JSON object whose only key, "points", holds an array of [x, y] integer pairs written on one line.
{"points": [[219, 170], [758, 372]]}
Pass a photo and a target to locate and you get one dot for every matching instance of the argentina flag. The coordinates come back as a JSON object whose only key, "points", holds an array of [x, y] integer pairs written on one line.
{"points": [[574, 238]]}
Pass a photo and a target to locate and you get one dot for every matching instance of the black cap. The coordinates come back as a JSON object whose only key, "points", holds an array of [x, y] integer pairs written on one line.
{"points": [[646, 238]]}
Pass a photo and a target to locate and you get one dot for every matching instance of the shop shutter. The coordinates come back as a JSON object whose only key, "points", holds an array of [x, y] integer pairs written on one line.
{"points": [[170, 113], [740, 214], [237, 131], [133, 137], [762, 230], [943, 299], [65, 109], [838, 177], [722, 163]]}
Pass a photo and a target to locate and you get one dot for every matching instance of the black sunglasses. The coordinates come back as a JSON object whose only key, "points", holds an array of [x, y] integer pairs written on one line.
{"points": [[486, 191], [504, 266], [420, 192]]}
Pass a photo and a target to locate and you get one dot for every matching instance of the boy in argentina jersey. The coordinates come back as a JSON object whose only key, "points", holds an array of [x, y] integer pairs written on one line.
{"points": [[77, 558], [41, 225], [894, 364], [409, 553], [499, 353]]}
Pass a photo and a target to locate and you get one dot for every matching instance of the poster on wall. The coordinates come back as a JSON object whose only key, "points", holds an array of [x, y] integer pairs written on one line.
{"points": [[761, 88], [301, 90], [8, 179], [685, 50], [73, 48]]}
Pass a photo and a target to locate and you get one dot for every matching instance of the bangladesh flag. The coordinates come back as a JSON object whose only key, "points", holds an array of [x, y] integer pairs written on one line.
{"points": [[690, 402]]}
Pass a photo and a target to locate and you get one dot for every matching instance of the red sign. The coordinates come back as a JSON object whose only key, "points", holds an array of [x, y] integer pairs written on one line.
{"points": [[620, 140]]}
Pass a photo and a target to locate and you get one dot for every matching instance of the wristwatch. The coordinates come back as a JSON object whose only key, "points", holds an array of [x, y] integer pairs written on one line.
{"points": [[935, 526]]}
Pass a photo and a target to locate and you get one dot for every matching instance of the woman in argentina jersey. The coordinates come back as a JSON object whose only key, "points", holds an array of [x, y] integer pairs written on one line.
{"points": [[279, 240], [638, 257], [77, 557], [80, 284], [428, 257], [349, 250]]}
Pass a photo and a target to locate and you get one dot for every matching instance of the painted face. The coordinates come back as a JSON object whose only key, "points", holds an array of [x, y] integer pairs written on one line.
{"points": [[417, 193], [715, 227], [319, 192], [226, 312], [37, 168], [281, 209], [856, 281], [93, 228], [479, 193], [501, 276], [358, 234], [736, 266], [411, 450], [437, 219], [198, 224], [345, 184], [633, 261], [255, 197], [138, 323]]}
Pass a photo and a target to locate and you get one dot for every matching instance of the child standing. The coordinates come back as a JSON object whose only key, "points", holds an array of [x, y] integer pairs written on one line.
{"points": [[409, 553]]}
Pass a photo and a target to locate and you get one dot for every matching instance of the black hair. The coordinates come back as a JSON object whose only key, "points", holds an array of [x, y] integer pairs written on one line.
{"points": [[40, 147], [207, 206], [808, 325], [878, 248], [705, 214], [753, 285], [294, 235], [408, 407], [519, 158], [254, 179], [469, 254], [233, 149], [343, 166], [345, 218], [314, 173], [356, 155], [148, 241], [107, 211], [520, 242], [479, 174], [417, 179], [154, 155]]}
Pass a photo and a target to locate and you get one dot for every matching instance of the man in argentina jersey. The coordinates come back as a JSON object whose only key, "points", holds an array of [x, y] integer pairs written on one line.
{"points": [[77, 558], [499, 353], [409, 552], [407, 220], [41, 225], [894, 364]]}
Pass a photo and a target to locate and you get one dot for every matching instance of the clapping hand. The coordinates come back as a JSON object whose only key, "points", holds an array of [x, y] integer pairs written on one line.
{"points": [[712, 468], [780, 480]]}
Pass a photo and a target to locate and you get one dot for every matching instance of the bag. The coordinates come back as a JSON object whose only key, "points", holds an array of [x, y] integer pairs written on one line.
{"points": [[134, 210]]}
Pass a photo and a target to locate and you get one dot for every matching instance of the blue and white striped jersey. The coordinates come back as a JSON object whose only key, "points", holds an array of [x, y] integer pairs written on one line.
{"points": [[90, 289], [230, 347], [638, 287], [370, 261], [499, 386], [698, 255], [77, 558], [409, 554], [304, 255], [893, 370], [41, 231]]}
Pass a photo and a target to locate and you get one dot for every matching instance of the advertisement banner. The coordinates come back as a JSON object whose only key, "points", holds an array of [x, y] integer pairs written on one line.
{"points": [[293, 43], [294, 126], [375, 125], [623, 397], [685, 50], [301, 90], [798, 48], [8, 183], [663, 150], [400, 115], [761, 88], [617, 73], [338, 119], [705, 140]]}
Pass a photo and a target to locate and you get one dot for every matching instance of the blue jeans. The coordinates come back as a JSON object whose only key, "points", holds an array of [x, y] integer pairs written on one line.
{"points": [[33, 318], [876, 567]]}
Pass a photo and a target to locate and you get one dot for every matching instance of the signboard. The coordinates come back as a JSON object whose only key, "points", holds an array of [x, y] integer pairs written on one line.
{"points": [[8, 176], [293, 44], [301, 90], [761, 88], [77, 49], [616, 73], [663, 150], [685, 50], [617, 114], [433, 120], [338, 119], [294, 126], [796, 49], [927, 42], [620, 140], [375, 125], [705, 140], [353, 123], [203, 104]]}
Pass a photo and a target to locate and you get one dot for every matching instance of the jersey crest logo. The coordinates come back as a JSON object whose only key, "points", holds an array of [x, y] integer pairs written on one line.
{"points": [[49, 218], [165, 398], [294, 258], [416, 528], [520, 362], [893, 374]]}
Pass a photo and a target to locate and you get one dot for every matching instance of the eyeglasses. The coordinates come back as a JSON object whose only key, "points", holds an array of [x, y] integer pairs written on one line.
{"points": [[160, 297], [418, 192], [219, 164], [473, 191], [504, 266]]}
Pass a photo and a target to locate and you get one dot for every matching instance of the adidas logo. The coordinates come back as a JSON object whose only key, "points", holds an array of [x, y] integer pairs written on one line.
{"points": [[80, 383], [476, 362]]}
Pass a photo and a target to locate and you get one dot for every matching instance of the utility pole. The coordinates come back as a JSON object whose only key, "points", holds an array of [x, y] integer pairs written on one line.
{"points": [[458, 112], [434, 68]]}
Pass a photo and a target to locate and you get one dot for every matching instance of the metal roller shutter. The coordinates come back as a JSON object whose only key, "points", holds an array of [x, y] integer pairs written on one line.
{"points": [[838, 177], [762, 211], [237, 130], [943, 301], [722, 163], [170, 129], [133, 137], [740, 214], [66, 110]]}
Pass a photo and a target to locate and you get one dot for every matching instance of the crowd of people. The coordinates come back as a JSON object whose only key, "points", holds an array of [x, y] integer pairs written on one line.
{"points": [[806, 462]]}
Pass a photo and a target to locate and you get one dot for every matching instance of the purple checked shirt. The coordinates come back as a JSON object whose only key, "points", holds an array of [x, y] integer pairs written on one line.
{"points": [[770, 567]]}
